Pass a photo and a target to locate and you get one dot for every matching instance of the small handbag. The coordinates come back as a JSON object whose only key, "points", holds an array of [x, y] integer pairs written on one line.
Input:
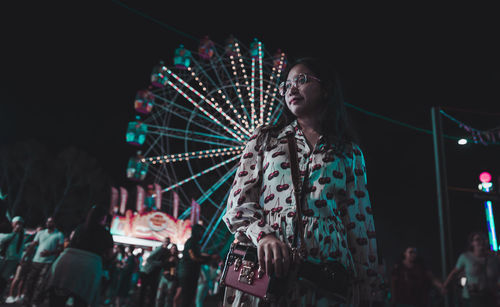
{"points": [[242, 272]]}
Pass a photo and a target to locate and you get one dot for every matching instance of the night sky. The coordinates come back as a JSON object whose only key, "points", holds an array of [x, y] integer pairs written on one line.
{"points": [[69, 74]]}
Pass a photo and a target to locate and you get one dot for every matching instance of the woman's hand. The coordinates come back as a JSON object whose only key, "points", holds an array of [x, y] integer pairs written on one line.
{"points": [[273, 256]]}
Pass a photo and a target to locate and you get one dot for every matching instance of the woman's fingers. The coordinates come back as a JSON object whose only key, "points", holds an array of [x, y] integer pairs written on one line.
{"points": [[273, 256]]}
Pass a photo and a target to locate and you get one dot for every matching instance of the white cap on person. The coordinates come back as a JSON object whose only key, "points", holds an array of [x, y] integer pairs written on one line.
{"points": [[18, 219]]}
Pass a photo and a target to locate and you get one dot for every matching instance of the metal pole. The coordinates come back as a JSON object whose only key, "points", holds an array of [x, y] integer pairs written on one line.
{"points": [[442, 199]]}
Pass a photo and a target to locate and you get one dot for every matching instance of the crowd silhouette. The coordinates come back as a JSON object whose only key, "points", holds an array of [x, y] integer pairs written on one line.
{"points": [[39, 268]]}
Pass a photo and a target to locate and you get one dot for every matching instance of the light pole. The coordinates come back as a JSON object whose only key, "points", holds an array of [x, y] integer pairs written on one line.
{"points": [[442, 198]]}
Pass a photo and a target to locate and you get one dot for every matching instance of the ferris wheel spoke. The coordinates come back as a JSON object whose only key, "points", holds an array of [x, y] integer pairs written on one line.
{"points": [[261, 86], [209, 153], [216, 215], [230, 131], [202, 97], [213, 188], [189, 111], [242, 120], [180, 183], [236, 85], [277, 116], [276, 74], [252, 94], [241, 65], [246, 117], [161, 129], [198, 140], [151, 144], [217, 185], [219, 219], [223, 95]]}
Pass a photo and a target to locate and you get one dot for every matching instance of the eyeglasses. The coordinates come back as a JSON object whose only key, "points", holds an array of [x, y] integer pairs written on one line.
{"points": [[297, 81]]}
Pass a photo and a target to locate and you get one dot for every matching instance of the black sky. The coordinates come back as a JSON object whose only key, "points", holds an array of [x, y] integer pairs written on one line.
{"points": [[69, 74]]}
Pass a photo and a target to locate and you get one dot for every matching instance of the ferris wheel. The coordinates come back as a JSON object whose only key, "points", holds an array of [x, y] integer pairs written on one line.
{"points": [[194, 119]]}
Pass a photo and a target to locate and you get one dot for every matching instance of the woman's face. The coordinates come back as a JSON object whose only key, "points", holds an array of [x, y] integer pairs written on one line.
{"points": [[306, 99]]}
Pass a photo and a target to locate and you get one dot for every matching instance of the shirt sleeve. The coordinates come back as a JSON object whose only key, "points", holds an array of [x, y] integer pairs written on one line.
{"points": [[37, 237], [60, 240], [244, 215], [5, 236], [362, 237]]}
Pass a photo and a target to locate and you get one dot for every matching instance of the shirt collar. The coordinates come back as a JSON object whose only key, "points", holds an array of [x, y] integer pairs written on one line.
{"points": [[293, 127]]}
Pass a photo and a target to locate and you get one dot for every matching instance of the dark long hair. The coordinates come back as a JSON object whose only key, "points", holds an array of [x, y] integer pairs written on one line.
{"points": [[334, 122]]}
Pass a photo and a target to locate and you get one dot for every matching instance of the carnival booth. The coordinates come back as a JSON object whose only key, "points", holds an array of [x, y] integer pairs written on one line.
{"points": [[149, 229]]}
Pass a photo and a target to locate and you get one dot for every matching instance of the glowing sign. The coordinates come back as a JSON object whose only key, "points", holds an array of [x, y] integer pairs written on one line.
{"points": [[153, 225], [485, 177]]}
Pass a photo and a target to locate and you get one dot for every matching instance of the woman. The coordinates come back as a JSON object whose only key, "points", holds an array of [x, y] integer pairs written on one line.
{"points": [[77, 271], [129, 266], [189, 268], [336, 211], [168, 280], [411, 281], [482, 272]]}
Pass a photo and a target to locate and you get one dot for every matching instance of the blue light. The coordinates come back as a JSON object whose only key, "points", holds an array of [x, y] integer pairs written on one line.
{"points": [[490, 221]]}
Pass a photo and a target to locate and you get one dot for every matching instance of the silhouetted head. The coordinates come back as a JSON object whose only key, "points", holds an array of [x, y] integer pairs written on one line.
{"points": [[196, 231]]}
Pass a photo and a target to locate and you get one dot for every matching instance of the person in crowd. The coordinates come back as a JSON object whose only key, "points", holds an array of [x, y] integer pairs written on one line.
{"points": [[11, 250], [206, 282], [337, 224], [115, 272], [168, 280], [77, 271], [189, 268], [481, 268], [129, 266], [137, 273], [411, 281], [109, 266], [48, 244], [18, 283], [150, 273]]}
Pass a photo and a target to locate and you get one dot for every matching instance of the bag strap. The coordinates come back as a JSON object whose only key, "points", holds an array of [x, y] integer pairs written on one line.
{"points": [[294, 167]]}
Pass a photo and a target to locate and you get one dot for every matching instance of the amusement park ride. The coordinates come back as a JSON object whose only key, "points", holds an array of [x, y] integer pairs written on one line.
{"points": [[191, 126]]}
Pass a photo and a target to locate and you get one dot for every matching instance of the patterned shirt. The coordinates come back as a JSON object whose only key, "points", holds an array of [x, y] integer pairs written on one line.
{"points": [[337, 216]]}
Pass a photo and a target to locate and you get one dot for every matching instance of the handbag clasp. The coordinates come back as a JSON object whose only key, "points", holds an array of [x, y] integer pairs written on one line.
{"points": [[247, 273]]}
